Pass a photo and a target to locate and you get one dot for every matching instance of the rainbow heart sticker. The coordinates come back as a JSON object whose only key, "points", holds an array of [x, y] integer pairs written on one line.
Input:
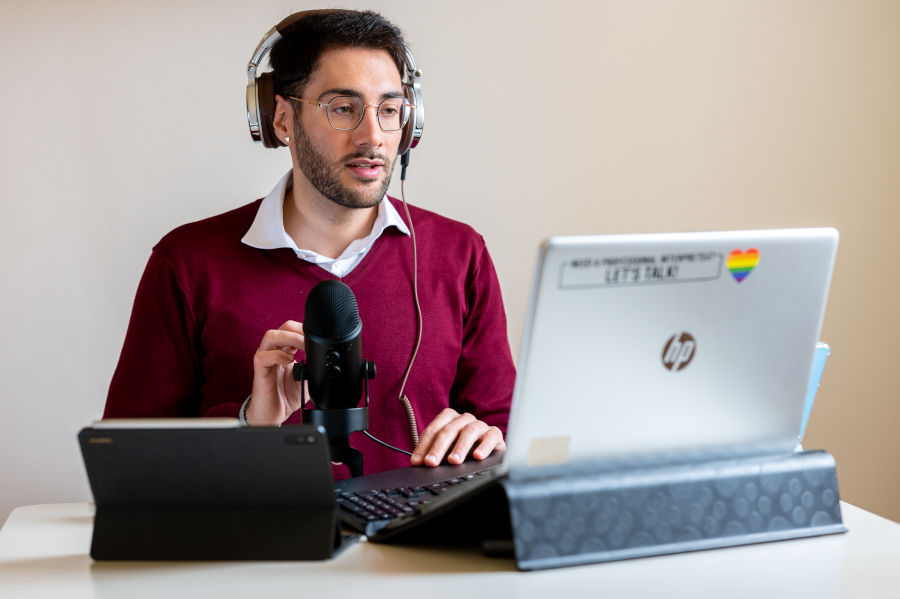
{"points": [[741, 264]]}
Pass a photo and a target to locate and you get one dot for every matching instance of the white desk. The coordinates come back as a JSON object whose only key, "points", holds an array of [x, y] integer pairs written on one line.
{"points": [[44, 553]]}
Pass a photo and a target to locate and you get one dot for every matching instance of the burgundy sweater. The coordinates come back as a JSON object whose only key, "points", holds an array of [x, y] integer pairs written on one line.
{"points": [[206, 299]]}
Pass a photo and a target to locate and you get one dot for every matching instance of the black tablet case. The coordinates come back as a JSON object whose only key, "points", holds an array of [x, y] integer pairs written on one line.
{"points": [[212, 494]]}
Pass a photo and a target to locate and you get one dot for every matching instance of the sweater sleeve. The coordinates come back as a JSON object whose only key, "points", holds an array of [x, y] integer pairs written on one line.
{"points": [[485, 373], [159, 371]]}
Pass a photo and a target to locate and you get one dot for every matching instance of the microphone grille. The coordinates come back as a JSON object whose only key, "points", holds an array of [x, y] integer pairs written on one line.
{"points": [[331, 311]]}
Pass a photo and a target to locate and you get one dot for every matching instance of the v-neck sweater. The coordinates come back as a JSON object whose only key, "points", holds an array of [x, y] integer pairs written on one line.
{"points": [[205, 301]]}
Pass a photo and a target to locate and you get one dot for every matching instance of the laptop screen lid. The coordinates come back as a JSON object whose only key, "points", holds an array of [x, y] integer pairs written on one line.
{"points": [[664, 347]]}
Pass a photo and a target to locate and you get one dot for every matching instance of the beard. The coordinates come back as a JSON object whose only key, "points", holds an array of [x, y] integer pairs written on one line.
{"points": [[326, 178]]}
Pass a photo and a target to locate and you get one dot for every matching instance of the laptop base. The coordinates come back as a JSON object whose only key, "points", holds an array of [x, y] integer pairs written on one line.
{"points": [[568, 520]]}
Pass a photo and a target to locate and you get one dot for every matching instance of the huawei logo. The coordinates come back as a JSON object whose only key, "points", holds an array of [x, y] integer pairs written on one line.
{"points": [[679, 351]]}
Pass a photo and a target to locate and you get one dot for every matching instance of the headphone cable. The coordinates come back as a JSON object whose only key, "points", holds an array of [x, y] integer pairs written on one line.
{"points": [[404, 400], [407, 405]]}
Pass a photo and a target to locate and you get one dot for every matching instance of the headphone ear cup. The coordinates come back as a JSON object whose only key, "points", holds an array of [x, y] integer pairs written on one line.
{"points": [[265, 101], [406, 139]]}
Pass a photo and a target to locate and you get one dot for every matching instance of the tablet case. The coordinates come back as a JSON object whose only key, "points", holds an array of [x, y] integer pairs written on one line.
{"points": [[212, 494]]}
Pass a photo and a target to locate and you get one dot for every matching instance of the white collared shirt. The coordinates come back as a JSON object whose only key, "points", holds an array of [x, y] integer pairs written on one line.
{"points": [[267, 232]]}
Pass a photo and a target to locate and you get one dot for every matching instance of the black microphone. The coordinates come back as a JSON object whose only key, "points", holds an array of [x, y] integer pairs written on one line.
{"points": [[333, 333], [334, 369]]}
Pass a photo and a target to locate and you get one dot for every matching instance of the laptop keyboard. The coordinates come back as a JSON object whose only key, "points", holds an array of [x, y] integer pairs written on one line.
{"points": [[390, 503]]}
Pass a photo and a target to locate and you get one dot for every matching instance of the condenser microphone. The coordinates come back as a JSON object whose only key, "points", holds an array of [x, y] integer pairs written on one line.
{"points": [[333, 334], [334, 370]]}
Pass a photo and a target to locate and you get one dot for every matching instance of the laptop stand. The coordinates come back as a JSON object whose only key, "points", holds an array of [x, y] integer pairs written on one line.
{"points": [[577, 518]]}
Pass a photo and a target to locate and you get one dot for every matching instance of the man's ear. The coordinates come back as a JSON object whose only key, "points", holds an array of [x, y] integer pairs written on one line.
{"points": [[283, 119]]}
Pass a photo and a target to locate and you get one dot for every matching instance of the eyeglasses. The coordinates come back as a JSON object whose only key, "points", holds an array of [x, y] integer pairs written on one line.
{"points": [[345, 113]]}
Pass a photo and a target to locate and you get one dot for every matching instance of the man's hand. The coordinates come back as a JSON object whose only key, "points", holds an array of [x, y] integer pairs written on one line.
{"points": [[462, 432], [275, 394]]}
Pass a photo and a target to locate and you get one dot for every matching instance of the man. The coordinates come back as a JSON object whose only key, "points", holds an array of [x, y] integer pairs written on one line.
{"points": [[216, 313]]}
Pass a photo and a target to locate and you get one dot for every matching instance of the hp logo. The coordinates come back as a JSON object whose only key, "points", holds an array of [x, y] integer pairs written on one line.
{"points": [[679, 351]]}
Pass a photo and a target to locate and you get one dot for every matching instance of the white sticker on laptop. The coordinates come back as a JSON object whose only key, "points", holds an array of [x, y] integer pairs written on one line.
{"points": [[548, 451], [609, 271]]}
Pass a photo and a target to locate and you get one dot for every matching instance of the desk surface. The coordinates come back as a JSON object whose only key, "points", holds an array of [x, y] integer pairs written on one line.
{"points": [[44, 553]]}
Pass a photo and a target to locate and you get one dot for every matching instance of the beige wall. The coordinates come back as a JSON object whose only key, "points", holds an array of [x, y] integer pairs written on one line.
{"points": [[122, 122]]}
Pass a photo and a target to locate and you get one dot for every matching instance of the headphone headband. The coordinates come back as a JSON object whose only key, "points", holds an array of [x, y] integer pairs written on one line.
{"points": [[261, 89]]}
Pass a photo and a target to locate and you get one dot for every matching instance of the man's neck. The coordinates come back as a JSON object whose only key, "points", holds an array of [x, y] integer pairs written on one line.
{"points": [[321, 225]]}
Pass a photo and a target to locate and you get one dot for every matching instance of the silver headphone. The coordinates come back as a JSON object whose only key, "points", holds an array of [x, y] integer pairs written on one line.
{"points": [[261, 90]]}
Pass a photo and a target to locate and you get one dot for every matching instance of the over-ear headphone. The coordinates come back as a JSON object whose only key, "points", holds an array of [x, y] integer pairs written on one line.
{"points": [[261, 90]]}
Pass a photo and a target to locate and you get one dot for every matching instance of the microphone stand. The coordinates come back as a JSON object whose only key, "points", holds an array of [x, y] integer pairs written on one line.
{"points": [[339, 422]]}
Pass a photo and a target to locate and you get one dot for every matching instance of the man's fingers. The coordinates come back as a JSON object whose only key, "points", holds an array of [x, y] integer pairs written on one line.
{"points": [[275, 396], [292, 325], [439, 436], [467, 437], [462, 432], [282, 339], [492, 440], [427, 436], [272, 357], [426, 439]]}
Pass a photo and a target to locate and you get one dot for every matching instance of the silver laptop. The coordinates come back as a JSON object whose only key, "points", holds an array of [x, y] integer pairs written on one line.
{"points": [[644, 350], [666, 346]]}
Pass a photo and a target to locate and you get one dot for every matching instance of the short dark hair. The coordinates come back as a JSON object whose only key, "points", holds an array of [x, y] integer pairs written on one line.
{"points": [[297, 53]]}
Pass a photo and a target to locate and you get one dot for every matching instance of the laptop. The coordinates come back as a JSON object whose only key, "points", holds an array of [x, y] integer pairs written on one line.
{"points": [[638, 350]]}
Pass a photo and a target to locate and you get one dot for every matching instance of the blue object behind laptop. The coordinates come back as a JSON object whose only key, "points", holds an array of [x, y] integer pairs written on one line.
{"points": [[815, 377]]}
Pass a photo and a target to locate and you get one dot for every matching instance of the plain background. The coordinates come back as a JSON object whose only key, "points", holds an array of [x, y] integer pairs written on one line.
{"points": [[123, 120]]}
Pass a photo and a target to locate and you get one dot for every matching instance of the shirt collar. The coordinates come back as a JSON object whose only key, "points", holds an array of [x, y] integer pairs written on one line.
{"points": [[267, 230]]}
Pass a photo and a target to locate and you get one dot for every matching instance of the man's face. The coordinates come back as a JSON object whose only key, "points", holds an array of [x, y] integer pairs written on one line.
{"points": [[351, 168]]}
